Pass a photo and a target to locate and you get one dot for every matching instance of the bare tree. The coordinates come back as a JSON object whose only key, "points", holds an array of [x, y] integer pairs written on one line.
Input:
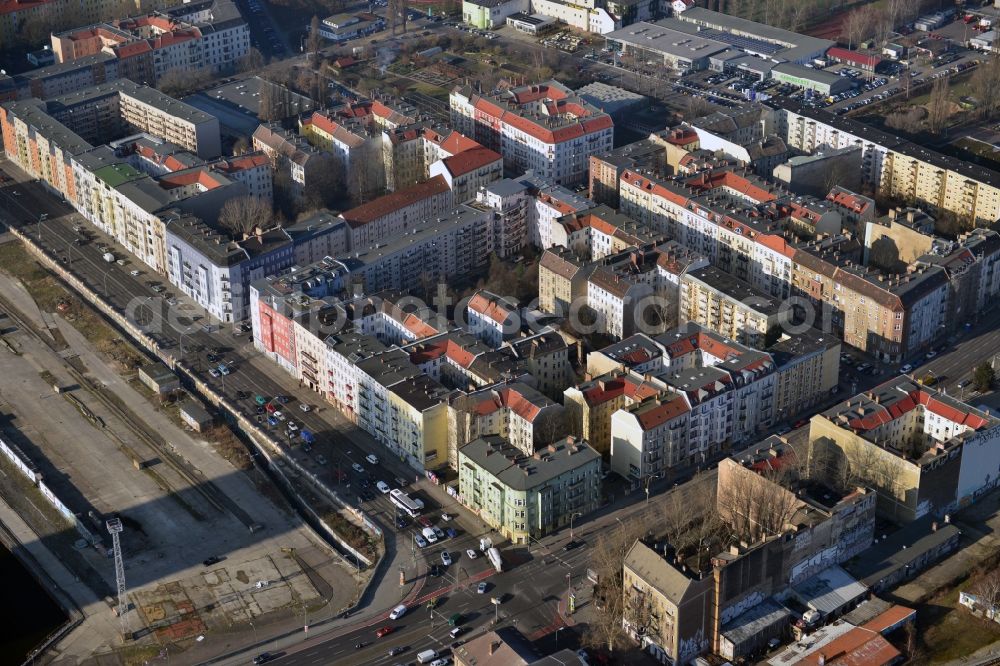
{"points": [[241, 215], [856, 26], [987, 590], [314, 42], [697, 107], [939, 106], [252, 61], [755, 504], [326, 185], [986, 82], [607, 559]]}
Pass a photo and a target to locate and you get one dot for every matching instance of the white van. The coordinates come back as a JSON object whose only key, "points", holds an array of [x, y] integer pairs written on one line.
{"points": [[427, 656], [429, 535], [398, 612], [383, 487]]}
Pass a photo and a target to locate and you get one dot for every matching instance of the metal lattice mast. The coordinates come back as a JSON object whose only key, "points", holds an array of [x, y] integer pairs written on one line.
{"points": [[115, 528]]}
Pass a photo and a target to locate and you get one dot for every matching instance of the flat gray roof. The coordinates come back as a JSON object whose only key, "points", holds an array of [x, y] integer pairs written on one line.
{"points": [[674, 43], [516, 470], [795, 45]]}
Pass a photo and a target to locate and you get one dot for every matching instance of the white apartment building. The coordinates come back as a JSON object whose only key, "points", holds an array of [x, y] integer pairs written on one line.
{"points": [[649, 438], [492, 318], [545, 128]]}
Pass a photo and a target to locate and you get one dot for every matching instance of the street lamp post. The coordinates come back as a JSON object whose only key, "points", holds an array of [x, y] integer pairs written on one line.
{"points": [[648, 480], [574, 515]]}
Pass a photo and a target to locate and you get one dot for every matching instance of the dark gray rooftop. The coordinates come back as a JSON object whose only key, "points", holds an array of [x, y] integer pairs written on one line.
{"points": [[511, 467]]}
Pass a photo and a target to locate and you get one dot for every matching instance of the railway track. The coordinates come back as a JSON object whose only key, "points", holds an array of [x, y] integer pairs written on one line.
{"points": [[160, 449]]}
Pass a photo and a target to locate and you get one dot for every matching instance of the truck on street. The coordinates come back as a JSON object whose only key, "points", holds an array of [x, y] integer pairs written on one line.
{"points": [[494, 556]]}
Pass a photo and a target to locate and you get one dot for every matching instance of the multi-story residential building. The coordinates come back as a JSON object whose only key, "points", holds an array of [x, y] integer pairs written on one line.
{"points": [[216, 271], [716, 300], [563, 281], [251, 169], [896, 167], [414, 153], [455, 244], [291, 152], [203, 36], [493, 319], [355, 143], [606, 168], [396, 214], [621, 295], [546, 358], [43, 137], [544, 128], [808, 364], [17, 16], [514, 410], [469, 171], [598, 232], [888, 316], [649, 438], [924, 452], [526, 496], [718, 393], [590, 405], [510, 203], [731, 217]]}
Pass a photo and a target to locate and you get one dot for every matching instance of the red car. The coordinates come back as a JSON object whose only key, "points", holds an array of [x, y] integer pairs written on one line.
{"points": [[425, 521], [384, 631]]}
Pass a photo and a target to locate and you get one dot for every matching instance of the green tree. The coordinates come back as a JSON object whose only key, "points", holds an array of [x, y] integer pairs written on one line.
{"points": [[983, 377]]}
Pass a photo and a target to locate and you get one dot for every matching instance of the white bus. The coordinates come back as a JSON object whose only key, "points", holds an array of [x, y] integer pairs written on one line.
{"points": [[409, 506]]}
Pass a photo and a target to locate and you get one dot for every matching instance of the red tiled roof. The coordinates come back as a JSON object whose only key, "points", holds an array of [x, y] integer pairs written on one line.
{"points": [[540, 132], [734, 181], [665, 411], [848, 200], [456, 143], [459, 354], [890, 619], [885, 414], [489, 307], [470, 160], [179, 179], [242, 163], [418, 326], [132, 49], [863, 59], [520, 405], [858, 647], [373, 210]]}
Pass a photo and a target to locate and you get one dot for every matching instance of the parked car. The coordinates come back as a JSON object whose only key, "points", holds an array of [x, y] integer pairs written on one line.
{"points": [[481, 588], [421, 543], [305, 408], [358, 468], [446, 557], [471, 554]]}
